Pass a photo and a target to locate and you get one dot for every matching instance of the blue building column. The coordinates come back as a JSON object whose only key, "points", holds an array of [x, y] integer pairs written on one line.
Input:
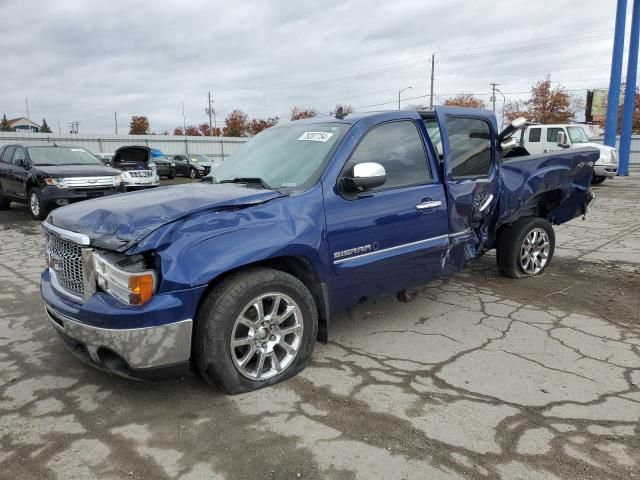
{"points": [[611, 124], [630, 92]]}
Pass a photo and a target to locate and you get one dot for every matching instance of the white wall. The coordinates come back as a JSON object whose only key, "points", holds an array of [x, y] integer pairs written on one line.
{"points": [[170, 144]]}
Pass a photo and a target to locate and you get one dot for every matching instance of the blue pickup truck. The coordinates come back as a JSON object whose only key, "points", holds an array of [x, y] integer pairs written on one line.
{"points": [[239, 276]]}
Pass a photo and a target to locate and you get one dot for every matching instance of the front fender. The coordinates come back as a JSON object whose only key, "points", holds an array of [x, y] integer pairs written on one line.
{"points": [[199, 249]]}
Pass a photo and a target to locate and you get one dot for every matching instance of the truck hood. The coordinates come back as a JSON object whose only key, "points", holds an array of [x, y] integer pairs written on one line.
{"points": [[118, 222], [76, 170]]}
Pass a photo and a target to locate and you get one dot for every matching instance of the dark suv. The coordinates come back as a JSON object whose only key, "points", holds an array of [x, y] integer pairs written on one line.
{"points": [[46, 176]]}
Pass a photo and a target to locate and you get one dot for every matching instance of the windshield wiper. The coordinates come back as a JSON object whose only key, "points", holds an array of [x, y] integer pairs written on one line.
{"points": [[251, 180]]}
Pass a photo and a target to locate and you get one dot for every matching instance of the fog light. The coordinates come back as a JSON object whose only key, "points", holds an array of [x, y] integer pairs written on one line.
{"points": [[62, 202]]}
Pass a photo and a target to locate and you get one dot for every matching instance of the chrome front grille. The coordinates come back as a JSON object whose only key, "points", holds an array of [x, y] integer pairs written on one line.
{"points": [[65, 261], [140, 173], [89, 182]]}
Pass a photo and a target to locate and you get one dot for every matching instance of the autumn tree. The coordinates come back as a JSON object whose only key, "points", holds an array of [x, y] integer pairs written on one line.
{"points": [[178, 131], [346, 109], [44, 128], [465, 100], [236, 124], [139, 125], [192, 131], [546, 105], [256, 125], [4, 125], [300, 113]]}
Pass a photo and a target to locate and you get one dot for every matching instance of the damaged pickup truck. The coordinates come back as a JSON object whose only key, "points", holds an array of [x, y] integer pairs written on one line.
{"points": [[238, 277]]}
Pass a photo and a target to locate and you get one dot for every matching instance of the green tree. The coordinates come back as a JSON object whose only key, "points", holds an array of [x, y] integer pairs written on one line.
{"points": [[4, 125], [44, 128]]}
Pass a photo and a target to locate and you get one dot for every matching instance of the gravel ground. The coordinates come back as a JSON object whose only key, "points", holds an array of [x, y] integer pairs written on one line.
{"points": [[480, 377]]}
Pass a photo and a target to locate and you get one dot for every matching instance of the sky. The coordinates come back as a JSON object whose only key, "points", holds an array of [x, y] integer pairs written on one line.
{"points": [[84, 60]]}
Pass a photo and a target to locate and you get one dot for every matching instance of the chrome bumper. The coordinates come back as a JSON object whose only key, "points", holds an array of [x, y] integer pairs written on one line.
{"points": [[605, 170], [140, 348]]}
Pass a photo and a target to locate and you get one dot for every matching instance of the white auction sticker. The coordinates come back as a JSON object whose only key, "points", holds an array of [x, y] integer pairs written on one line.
{"points": [[316, 136]]}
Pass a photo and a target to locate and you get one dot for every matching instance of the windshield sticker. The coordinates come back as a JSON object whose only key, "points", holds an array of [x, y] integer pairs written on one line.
{"points": [[316, 136], [76, 149]]}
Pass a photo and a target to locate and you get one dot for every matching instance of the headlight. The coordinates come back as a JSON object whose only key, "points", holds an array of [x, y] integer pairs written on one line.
{"points": [[173, 164], [130, 287], [153, 166], [117, 181], [55, 182]]}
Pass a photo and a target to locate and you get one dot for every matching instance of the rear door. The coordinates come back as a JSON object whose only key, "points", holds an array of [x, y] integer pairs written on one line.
{"points": [[471, 176], [16, 178], [5, 167]]}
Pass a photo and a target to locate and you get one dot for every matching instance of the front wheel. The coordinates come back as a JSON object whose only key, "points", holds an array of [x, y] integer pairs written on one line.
{"points": [[193, 173], [597, 180], [5, 203], [525, 248], [37, 207], [256, 328]]}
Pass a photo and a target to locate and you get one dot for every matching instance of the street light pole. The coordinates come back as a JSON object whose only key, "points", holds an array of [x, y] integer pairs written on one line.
{"points": [[399, 93]]}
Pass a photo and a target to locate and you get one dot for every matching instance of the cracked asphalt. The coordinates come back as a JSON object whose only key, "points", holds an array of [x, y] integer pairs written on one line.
{"points": [[480, 377]]}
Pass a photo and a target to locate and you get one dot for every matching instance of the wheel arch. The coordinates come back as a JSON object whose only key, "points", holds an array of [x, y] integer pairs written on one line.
{"points": [[540, 205], [301, 268]]}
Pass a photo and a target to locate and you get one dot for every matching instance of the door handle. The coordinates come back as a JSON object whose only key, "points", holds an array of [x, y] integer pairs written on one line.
{"points": [[428, 204], [487, 201]]}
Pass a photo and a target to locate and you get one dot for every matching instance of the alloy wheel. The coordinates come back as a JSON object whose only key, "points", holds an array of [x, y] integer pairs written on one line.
{"points": [[266, 336], [34, 203], [534, 251]]}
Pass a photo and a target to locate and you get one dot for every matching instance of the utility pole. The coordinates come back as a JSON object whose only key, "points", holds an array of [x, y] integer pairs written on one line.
{"points": [[73, 126], [115, 117], [184, 124], [210, 111], [493, 95], [433, 74], [59, 129], [26, 101]]}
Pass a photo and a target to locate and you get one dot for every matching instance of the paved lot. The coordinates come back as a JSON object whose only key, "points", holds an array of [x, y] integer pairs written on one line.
{"points": [[481, 377]]}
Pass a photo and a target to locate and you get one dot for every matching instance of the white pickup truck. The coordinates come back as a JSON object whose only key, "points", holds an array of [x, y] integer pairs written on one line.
{"points": [[539, 139]]}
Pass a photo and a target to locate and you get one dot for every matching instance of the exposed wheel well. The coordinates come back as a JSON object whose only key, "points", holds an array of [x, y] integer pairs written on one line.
{"points": [[537, 206], [303, 270]]}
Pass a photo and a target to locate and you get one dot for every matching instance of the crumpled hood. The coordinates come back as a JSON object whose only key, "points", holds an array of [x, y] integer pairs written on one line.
{"points": [[117, 222]]}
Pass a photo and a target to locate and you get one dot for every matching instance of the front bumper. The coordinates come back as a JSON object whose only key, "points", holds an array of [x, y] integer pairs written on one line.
{"points": [[144, 353], [53, 195], [605, 169], [150, 341]]}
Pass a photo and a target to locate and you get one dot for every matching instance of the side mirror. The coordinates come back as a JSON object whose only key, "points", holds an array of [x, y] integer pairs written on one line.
{"points": [[562, 140], [507, 145], [365, 176]]}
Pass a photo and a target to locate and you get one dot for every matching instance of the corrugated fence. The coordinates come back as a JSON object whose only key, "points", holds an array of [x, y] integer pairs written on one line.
{"points": [[213, 146]]}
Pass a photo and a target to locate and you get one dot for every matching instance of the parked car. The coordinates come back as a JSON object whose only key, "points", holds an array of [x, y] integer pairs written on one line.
{"points": [[138, 169], [104, 158], [239, 277], [164, 167], [45, 176], [193, 165], [552, 138]]}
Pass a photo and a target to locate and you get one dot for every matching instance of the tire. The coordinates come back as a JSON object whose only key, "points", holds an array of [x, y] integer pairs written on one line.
{"points": [[218, 323], [193, 173], [517, 257], [37, 207], [597, 180]]}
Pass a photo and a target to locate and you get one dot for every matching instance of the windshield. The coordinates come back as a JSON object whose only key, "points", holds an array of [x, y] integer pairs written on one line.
{"points": [[62, 156], [284, 157], [577, 135], [200, 158]]}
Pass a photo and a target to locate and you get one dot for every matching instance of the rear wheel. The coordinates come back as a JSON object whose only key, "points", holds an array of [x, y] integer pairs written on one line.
{"points": [[255, 329], [597, 180], [525, 248], [37, 207]]}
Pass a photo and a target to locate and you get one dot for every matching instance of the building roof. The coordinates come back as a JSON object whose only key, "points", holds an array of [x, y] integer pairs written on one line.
{"points": [[22, 121]]}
